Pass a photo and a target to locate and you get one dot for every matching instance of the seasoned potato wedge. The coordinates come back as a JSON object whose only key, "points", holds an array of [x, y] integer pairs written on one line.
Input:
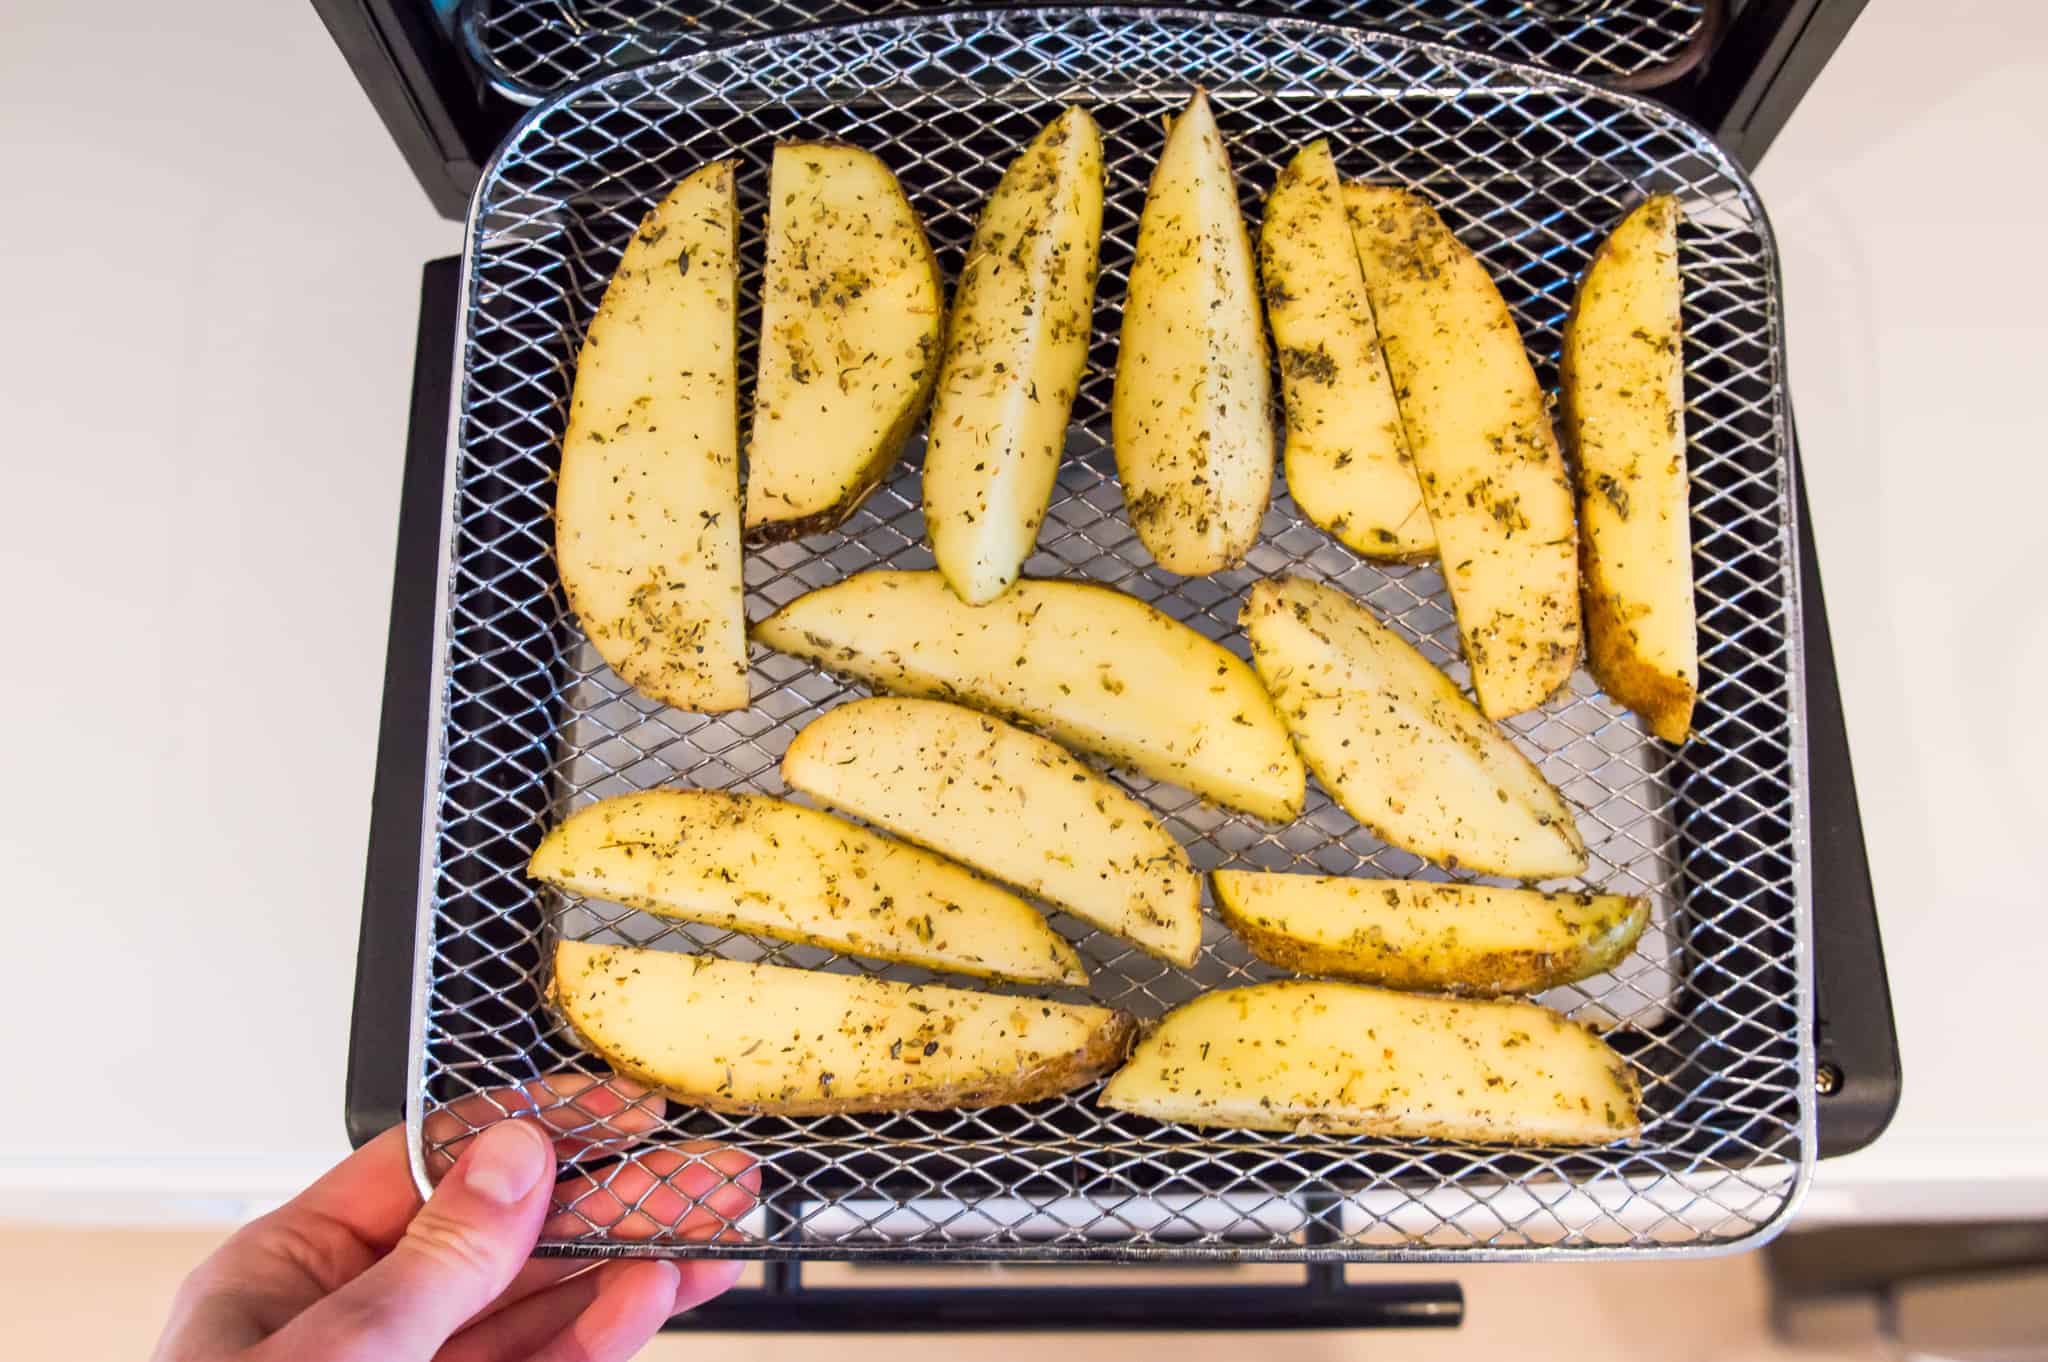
{"points": [[1190, 414], [1091, 667], [759, 865], [1347, 454], [1015, 351], [1397, 744], [852, 306], [1347, 1059], [1623, 372], [1009, 803], [1448, 938], [741, 1037], [1480, 432], [647, 535]]}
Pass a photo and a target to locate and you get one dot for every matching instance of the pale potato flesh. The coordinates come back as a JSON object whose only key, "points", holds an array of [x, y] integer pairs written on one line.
{"points": [[757, 864], [1190, 414], [1096, 669], [852, 308], [1479, 429], [1443, 938], [1623, 373], [1012, 805], [1347, 452], [1348, 1059], [1015, 352], [736, 1036], [1397, 744], [647, 534]]}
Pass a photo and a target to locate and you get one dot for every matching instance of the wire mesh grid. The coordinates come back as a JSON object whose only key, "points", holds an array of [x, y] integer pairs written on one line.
{"points": [[1530, 168], [530, 49]]}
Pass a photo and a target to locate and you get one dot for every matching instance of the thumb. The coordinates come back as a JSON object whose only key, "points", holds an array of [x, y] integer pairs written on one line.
{"points": [[458, 1253]]}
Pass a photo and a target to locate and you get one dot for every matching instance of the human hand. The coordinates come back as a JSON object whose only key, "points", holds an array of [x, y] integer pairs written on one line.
{"points": [[357, 1269]]}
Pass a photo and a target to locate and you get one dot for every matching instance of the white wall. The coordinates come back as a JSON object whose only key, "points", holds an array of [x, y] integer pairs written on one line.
{"points": [[1908, 197], [213, 255]]}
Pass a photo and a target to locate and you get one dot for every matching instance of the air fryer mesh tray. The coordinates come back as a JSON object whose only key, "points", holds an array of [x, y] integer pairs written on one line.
{"points": [[530, 49], [1531, 169]]}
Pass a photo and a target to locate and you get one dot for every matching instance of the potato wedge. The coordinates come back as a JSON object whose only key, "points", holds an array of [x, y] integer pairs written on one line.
{"points": [[1015, 352], [647, 536], [1477, 424], [1347, 453], [1623, 373], [1351, 1060], [1469, 939], [757, 864], [761, 1039], [1093, 668], [1012, 805], [852, 306], [1191, 411], [1397, 744]]}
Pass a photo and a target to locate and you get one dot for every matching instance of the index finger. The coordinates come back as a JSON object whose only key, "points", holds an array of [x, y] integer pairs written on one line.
{"points": [[371, 1192]]}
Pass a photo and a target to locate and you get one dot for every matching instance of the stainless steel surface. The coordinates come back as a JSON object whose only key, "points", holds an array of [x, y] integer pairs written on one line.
{"points": [[530, 49], [1531, 168]]}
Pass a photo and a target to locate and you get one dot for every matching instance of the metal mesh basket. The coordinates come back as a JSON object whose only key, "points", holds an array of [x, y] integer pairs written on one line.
{"points": [[1531, 168], [530, 49]]}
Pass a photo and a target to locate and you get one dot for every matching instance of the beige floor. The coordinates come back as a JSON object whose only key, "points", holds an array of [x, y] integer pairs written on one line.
{"points": [[99, 1296]]}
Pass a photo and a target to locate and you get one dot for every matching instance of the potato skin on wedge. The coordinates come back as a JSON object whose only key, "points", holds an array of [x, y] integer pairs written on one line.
{"points": [[1312, 1057], [1474, 940], [852, 312], [735, 1036], [1622, 370], [1011, 804], [647, 537], [758, 864], [1093, 668]]}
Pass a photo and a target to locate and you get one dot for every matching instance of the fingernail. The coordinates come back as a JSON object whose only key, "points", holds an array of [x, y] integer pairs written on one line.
{"points": [[505, 1162], [702, 1279]]}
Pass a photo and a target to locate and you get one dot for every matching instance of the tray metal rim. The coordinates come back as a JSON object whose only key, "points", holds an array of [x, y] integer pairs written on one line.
{"points": [[519, 92]]}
